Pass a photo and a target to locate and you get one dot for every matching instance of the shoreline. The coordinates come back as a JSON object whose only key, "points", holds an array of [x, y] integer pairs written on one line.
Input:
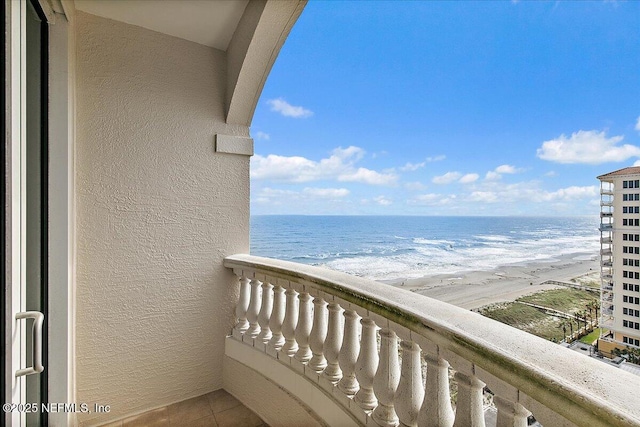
{"points": [[475, 289]]}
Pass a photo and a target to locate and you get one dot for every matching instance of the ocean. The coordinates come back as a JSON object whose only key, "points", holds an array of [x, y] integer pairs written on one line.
{"points": [[398, 247]]}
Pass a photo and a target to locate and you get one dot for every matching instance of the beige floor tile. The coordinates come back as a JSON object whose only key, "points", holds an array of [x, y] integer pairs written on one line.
{"points": [[190, 410], [240, 416], [220, 401], [157, 418], [208, 421]]}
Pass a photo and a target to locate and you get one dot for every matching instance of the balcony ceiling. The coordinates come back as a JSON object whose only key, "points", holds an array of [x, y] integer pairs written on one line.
{"points": [[210, 22]]}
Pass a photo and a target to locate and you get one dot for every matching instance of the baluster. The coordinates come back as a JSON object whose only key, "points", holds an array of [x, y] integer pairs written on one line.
{"points": [[265, 313], [410, 390], [243, 305], [275, 322], [510, 414], [289, 324], [469, 409], [349, 354], [303, 330], [318, 335], [366, 365], [332, 344], [436, 408], [386, 380], [254, 308]]}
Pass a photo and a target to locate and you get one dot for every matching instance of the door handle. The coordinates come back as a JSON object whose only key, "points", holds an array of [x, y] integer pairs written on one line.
{"points": [[36, 348]]}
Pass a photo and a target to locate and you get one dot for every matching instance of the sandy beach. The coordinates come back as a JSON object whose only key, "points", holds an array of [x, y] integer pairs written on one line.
{"points": [[475, 289]]}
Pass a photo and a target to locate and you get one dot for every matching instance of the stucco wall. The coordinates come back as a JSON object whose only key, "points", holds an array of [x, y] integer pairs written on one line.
{"points": [[157, 210]]}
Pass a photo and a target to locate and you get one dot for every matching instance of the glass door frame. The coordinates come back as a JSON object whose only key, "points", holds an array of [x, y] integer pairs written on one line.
{"points": [[14, 164]]}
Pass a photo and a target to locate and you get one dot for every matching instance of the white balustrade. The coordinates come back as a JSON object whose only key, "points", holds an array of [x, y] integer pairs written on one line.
{"points": [[333, 343], [336, 343], [386, 380], [290, 346], [242, 324], [510, 414], [349, 353], [318, 334], [366, 366], [277, 317], [254, 309], [469, 408], [410, 392], [436, 409], [303, 329], [264, 315]]}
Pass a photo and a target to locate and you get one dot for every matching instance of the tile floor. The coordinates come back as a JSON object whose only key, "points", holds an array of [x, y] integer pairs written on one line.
{"points": [[216, 409]]}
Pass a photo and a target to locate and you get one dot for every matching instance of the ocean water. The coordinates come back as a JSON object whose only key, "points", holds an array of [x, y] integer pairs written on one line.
{"points": [[393, 247]]}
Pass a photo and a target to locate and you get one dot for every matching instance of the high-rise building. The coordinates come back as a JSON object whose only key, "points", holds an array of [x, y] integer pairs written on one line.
{"points": [[620, 258]]}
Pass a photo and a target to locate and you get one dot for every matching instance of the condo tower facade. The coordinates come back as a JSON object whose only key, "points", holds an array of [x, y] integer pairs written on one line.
{"points": [[620, 259]]}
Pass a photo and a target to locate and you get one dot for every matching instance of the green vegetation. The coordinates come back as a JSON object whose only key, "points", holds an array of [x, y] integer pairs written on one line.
{"points": [[567, 300], [580, 305], [594, 335]]}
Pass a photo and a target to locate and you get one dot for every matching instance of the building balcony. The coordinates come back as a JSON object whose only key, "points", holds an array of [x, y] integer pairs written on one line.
{"points": [[606, 214], [353, 351], [606, 227], [606, 240]]}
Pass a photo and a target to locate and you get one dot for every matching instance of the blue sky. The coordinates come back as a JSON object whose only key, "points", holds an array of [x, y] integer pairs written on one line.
{"points": [[448, 108]]}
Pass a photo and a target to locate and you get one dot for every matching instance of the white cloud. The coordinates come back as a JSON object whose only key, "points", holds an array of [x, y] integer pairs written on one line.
{"points": [[492, 176], [447, 178], [368, 176], [638, 124], [415, 186], [436, 158], [432, 199], [281, 106], [636, 163], [339, 166], [590, 147], [571, 193], [331, 193], [262, 135], [550, 174], [531, 192], [469, 178], [506, 169], [382, 200], [497, 173], [483, 196], [279, 196], [410, 167]]}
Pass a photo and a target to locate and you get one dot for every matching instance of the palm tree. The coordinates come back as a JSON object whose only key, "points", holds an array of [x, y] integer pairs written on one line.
{"points": [[571, 327], [577, 315], [563, 325], [589, 307], [596, 306]]}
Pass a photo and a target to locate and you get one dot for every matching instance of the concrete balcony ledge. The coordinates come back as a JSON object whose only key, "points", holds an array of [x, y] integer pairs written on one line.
{"points": [[343, 335]]}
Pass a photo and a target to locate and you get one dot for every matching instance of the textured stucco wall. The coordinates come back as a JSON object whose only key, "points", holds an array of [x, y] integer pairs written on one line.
{"points": [[157, 210]]}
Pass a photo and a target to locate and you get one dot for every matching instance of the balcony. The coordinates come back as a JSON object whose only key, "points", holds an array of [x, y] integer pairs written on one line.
{"points": [[352, 350], [606, 227]]}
